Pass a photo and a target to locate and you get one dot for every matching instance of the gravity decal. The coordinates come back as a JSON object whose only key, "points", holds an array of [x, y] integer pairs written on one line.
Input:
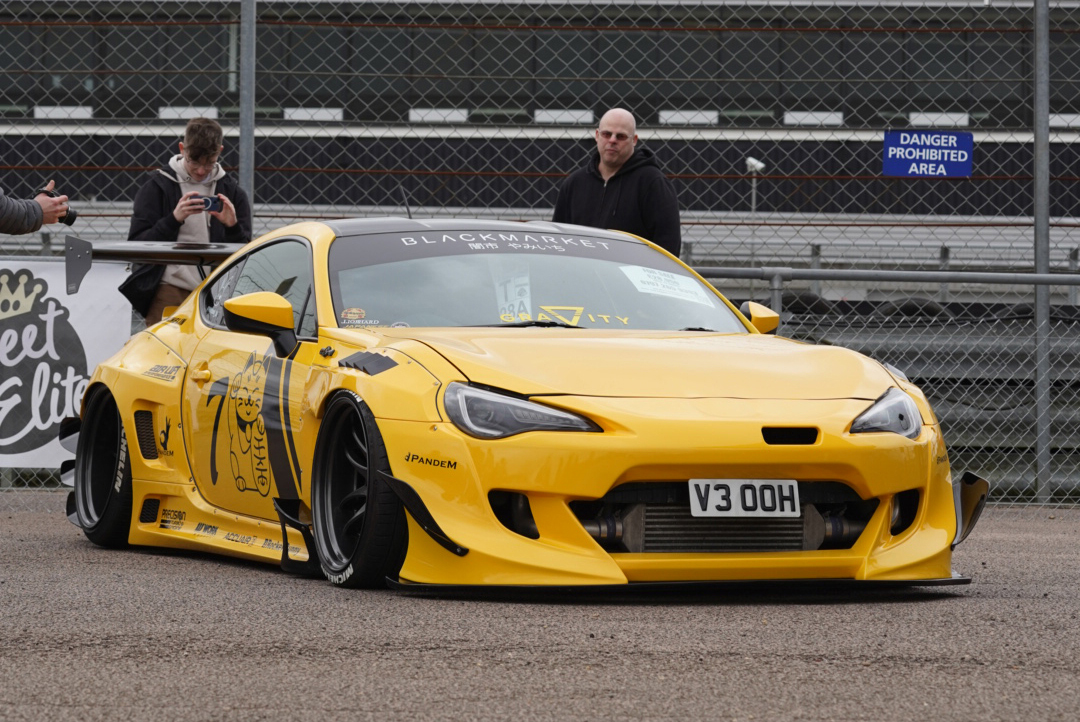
{"points": [[255, 405], [567, 314], [43, 369]]}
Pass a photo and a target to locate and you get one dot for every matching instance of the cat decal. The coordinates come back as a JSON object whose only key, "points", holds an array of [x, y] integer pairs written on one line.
{"points": [[259, 444]]}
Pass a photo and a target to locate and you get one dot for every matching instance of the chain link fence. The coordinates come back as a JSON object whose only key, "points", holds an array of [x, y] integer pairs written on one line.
{"points": [[481, 108]]}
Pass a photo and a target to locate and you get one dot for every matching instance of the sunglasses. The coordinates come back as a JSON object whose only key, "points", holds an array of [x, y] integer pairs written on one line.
{"points": [[608, 135]]}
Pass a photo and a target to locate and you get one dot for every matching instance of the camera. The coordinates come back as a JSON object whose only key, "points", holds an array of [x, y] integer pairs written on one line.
{"points": [[210, 203], [69, 217]]}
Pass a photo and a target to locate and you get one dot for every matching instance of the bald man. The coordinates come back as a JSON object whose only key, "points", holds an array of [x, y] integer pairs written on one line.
{"points": [[621, 187]]}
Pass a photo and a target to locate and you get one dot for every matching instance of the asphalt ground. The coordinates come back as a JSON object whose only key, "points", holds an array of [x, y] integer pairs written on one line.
{"points": [[92, 634]]}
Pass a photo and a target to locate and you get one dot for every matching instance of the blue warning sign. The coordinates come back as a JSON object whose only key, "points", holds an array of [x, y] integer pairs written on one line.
{"points": [[928, 154]]}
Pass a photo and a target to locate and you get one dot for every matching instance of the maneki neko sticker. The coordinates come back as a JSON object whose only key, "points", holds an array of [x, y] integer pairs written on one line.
{"points": [[50, 344]]}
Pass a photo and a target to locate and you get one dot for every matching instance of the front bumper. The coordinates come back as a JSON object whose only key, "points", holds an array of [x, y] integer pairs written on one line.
{"points": [[667, 440]]}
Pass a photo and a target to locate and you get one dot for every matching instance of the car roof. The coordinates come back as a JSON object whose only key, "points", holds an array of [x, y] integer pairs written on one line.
{"points": [[368, 226]]}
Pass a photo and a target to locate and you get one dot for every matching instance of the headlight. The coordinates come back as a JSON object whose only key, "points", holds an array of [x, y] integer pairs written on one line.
{"points": [[490, 415], [894, 411]]}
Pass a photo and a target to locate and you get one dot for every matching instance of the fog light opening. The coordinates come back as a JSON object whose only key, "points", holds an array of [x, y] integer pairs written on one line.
{"points": [[513, 512], [905, 506]]}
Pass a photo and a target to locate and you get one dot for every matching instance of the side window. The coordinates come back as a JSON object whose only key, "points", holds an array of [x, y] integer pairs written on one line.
{"points": [[217, 293], [283, 268]]}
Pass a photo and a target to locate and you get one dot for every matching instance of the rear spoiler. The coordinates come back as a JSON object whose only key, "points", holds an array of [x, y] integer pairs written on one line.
{"points": [[79, 255]]}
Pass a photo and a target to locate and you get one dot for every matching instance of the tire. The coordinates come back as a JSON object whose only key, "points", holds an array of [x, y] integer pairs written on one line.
{"points": [[359, 523], [103, 473]]}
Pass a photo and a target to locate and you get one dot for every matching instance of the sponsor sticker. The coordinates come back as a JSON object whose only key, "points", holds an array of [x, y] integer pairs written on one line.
{"points": [[664, 283], [163, 372], [173, 519]]}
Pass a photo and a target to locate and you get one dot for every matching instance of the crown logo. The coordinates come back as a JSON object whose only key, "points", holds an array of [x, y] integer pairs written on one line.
{"points": [[20, 299]]}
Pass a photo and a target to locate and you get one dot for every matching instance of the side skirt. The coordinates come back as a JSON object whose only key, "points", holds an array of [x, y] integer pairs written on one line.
{"points": [[172, 515]]}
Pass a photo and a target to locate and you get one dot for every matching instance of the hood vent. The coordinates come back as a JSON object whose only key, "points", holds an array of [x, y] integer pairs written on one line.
{"points": [[789, 435]]}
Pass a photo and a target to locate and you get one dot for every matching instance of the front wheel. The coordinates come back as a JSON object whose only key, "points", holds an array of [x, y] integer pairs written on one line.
{"points": [[359, 523], [103, 472]]}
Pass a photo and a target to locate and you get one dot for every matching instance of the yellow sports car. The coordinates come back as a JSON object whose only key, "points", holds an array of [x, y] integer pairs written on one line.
{"points": [[451, 402]]}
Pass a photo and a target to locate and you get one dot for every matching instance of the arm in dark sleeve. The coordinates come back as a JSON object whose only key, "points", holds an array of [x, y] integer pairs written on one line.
{"points": [[150, 219], [562, 204], [664, 225], [241, 232], [19, 216]]}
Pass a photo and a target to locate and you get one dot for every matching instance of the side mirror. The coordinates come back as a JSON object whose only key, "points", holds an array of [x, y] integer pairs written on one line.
{"points": [[763, 318], [266, 314]]}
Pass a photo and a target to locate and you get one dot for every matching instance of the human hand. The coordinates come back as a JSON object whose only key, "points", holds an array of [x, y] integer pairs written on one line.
{"points": [[227, 214], [52, 209], [189, 205]]}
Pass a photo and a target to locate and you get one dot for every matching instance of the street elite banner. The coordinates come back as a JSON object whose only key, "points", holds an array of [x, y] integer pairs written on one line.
{"points": [[50, 344]]}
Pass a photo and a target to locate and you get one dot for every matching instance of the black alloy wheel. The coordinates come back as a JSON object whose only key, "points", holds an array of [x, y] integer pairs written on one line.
{"points": [[359, 523], [103, 472]]}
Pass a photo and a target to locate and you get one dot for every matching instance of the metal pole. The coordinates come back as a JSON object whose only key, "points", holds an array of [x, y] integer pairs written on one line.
{"points": [[1074, 266], [943, 262], [815, 262], [776, 286], [753, 227], [1041, 193], [247, 98]]}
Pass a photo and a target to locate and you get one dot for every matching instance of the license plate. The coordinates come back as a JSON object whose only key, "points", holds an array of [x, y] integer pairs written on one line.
{"points": [[744, 497]]}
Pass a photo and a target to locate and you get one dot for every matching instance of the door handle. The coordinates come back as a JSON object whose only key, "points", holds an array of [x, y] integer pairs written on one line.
{"points": [[201, 376]]}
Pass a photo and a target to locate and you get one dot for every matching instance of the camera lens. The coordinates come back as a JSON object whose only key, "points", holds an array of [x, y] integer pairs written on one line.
{"points": [[69, 217]]}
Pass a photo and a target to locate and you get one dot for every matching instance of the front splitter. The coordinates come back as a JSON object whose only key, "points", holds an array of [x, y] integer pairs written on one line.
{"points": [[740, 588]]}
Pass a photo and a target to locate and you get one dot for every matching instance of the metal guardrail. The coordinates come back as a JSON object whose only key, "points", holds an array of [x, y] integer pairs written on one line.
{"points": [[1043, 376]]}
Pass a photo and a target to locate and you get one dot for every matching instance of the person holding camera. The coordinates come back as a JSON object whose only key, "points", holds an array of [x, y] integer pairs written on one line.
{"points": [[19, 216], [193, 201]]}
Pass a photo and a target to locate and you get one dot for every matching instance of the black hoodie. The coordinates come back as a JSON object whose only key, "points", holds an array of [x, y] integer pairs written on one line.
{"points": [[638, 199]]}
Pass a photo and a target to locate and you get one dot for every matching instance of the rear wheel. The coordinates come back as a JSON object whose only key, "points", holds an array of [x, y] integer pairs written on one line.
{"points": [[359, 523], [103, 472]]}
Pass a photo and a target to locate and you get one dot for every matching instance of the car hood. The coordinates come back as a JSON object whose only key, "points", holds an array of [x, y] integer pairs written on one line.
{"points": [[587, 362]]}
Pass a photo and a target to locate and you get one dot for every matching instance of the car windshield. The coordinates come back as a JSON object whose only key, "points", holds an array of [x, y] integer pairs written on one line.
{"points": [[518, 278]]}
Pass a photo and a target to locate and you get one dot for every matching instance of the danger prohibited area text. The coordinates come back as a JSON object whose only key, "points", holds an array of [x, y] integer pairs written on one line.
{"points": [[927, 154]]}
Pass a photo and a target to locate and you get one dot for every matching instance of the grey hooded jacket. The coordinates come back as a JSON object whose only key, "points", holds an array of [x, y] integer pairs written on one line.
{"points": [[19, 216]]}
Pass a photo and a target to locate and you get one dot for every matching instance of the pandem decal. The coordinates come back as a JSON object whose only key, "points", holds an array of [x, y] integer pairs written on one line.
{"points": [[411, 458]]}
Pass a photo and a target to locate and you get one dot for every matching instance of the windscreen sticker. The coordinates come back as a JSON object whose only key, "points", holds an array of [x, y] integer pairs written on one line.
{"points": [[503, 241], [512, 285], [356, 317], [571, 315], [663, 283]]}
